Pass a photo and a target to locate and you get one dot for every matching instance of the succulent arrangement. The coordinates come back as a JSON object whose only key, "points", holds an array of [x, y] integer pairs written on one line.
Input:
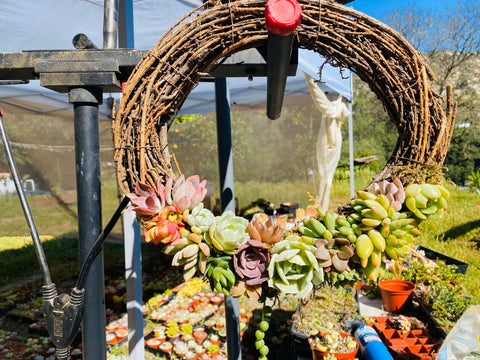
{"points": [[261, 259]]}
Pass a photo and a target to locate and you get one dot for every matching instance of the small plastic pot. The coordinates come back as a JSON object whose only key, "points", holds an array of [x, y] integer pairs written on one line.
{"points": [[395, 293]]}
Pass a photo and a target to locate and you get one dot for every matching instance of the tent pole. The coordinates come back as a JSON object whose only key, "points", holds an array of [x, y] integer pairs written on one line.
{"points": [[126, 37], [131, 236], [87, 157], [225, 162], [110, 24], [350, 150]]}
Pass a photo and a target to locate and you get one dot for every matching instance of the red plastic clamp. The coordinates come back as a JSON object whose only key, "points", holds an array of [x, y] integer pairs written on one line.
{"points": [[282, 16]]}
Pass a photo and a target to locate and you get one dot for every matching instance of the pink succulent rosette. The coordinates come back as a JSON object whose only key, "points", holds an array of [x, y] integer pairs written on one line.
{"points": [[182, 194], [185, 194], [146, 201], [251, 265]]}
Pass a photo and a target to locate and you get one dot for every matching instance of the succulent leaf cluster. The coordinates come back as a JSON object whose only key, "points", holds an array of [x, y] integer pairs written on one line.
{"points": [[334, 240], [293, 267], [426, 201]]}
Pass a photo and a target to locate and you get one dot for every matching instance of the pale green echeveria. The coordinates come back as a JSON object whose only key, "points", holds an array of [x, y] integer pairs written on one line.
{"points": [[199, 219], [293, 267], [227, 233]]}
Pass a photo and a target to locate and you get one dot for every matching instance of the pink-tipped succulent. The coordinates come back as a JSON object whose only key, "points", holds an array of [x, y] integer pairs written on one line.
{"points": [[164, 228], [185, 194], [146, 201], [393, 190]]}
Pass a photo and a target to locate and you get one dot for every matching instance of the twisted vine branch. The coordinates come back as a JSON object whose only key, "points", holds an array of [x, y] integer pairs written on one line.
{"points": [[395, 71]]}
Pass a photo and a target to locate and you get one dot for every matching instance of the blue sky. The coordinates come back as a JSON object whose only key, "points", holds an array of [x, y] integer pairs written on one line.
{"points": [[378, 8]]}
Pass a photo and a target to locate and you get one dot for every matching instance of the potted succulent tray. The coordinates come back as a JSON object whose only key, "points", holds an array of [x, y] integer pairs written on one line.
{"points": [[183, 347], [462, 267], [324, 312], [406, 337]]}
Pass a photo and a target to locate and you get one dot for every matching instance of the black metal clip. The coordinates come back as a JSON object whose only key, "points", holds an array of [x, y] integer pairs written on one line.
{"points": [[63, 315]]}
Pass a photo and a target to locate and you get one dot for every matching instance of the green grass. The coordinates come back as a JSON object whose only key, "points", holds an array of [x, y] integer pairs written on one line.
{"points": [[18, 258], [297, 191], [18, 242], [457, 234], [54, 215]]}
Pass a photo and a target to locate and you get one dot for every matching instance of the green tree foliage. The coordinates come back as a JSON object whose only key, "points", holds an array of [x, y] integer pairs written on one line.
{"points": [[450, 39], [464, 149]]}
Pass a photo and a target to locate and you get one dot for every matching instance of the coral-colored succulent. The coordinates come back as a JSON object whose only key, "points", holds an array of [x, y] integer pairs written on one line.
{"points": [[268, 232], [146, 201], [165, 227], [185, 194]]}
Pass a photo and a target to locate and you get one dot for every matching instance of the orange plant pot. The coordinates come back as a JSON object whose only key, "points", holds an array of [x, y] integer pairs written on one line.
{"points": [[320, 355], [395, 293]]}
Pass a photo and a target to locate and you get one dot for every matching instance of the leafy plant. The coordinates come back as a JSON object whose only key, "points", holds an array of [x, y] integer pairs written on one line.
{"points": [[440, 287], [474, 179], [328, 308]]}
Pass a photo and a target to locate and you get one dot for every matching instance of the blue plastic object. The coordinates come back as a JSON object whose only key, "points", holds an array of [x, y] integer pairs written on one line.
{"points": [[371, 346]]}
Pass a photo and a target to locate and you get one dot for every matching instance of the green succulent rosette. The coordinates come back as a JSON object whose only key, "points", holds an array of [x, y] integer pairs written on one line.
{"points": [[227, 233], [199, 219], [293, 267]]}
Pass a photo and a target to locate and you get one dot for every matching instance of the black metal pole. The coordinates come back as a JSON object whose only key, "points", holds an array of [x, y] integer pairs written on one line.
{"points": [[281, 19], [224, 141], [87, 158], [225, 163]]}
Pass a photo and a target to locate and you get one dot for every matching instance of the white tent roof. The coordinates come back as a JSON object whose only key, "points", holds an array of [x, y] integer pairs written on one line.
{"points": [[52, 24]]}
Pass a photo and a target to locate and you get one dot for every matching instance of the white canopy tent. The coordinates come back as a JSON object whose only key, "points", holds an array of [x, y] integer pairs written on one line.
{"points": [[51, 25]]}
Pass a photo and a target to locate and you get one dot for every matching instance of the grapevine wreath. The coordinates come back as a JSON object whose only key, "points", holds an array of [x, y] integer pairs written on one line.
{"points": [[262, 259]]}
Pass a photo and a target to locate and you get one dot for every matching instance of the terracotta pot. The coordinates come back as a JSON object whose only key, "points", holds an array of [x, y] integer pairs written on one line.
{"points": [[216, 300], [319, 355], [200, 336], [395, 293], [153, 343]]}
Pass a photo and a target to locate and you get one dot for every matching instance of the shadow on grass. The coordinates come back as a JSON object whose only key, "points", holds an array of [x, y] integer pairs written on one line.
{"points": [[461, 230], [62, 258]]}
